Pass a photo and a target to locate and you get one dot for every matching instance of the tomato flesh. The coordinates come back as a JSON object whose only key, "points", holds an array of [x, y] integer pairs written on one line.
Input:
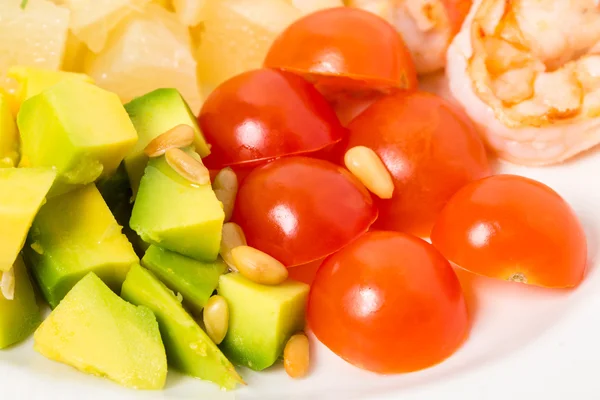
{"points": [[299, 209], [389, 303], [513, 228], [264, 114], [344, 49], [431, 150]]}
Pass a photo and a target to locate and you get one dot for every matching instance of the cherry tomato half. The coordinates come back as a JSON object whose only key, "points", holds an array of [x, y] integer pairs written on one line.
{"points": [[457, 11], [306, 272], [344, 48], [513, 228], [299, 209], [431, 150], [263, 114], [388, 302]]}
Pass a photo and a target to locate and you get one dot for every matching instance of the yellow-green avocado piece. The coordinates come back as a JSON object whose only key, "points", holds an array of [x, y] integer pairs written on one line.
{"points": [[22, 193], [177, 215], [261, 319], [195, 280], [34, 80], [152, 115], [99, 333], [189, 349], [72, 235], [9, 137], [20, 316], [80, 130]]}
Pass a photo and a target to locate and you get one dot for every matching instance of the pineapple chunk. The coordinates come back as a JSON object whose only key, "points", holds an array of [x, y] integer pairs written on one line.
{"points": [[189, 11], [33, 36], [310, 6], [75, 54], [235, 36], [146, 51], [93, 20]]}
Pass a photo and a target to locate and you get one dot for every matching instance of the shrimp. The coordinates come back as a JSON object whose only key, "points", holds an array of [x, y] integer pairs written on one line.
{"points": [[427, 26], [528, 73]]}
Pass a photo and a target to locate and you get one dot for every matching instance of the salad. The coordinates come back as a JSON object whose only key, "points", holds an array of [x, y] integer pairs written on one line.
{"points": [[167, 230]]}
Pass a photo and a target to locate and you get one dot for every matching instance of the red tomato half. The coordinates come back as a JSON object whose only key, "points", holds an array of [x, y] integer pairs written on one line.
{"points": [[388, 302], [431, 150], [299, 209], [264, 114], [342, 49], [457, 11], [513, 228]]}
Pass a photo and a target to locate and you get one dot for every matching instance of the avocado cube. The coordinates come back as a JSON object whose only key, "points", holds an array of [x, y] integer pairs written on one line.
{"points": [[23, 191], [98, 333], [153, 114], [34, 80], [72, 235], [195, 280], [174, 214], [188, 347], [116, 192], [80, 130], [20, 316], [261, 319], [9, 137]]}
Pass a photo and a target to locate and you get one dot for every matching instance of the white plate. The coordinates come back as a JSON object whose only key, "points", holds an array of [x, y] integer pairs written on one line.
{"points": [[525, 342]]}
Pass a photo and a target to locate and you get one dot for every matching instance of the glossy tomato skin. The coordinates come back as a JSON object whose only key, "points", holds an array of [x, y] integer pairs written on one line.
{"points": [[343, 47], [299, 209], [263, 114], [513, 228], [431, 150], [457, 11], [388, 303]]}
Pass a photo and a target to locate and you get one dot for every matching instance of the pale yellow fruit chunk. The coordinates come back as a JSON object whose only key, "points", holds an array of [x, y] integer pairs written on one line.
{"points": [[93, 20], [149, 50], [235, 36], [33, 36], [310, 6], [189, 11]]}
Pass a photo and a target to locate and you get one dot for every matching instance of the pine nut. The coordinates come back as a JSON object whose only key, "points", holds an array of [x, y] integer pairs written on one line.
{"points": [[216, 318], [258, 266], [366, 165], [187, 166], [225, 187], [296, 356], [232, 236], [7, 284], [177, 137]]}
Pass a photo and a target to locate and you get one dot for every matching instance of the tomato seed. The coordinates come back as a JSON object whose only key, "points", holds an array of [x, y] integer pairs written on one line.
{"points": [[258, 266], [366, 165], [177, 137], [296, 356]]}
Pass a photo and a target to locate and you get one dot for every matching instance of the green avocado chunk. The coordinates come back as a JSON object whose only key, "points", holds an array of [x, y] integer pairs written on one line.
{"points": [[73, 234], [116, 192], [152, 115], [9, 137], [98, 333], [261, 319], [195, 280], [20, 316], [177, 215], [80, 130], [22, 193], [188, 347]]}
